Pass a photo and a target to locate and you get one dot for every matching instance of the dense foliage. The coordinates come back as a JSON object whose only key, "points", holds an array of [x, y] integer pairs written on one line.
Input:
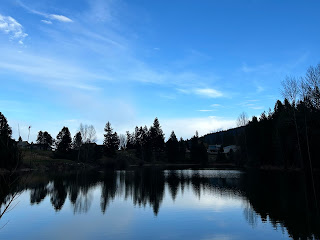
{"points": [[10, 155]]}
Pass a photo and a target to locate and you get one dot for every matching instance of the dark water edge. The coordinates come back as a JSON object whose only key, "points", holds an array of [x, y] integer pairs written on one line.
{"points": [[285, 200]]}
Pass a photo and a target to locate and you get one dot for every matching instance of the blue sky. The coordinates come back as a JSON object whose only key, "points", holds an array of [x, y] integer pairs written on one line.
{"points": [[196, 65]]}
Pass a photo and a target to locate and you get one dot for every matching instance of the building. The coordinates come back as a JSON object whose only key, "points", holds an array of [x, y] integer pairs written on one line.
{"points": [[22, 144], [214, 149], [227, 149]]}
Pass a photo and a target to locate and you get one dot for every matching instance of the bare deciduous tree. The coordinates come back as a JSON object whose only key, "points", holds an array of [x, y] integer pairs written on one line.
{"points": [[123, 141], [242, 120], [88, 133], [290, 90], [311, 86]]}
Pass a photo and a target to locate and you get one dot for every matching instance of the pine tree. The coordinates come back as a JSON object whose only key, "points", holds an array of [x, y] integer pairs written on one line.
{"points": [[156, 136], [111, 141], [40, 137], [48, 140], [182, 150], [172, 147], [63, 142], [5, 129], [77, 141], [45, 140], [10, 155]]}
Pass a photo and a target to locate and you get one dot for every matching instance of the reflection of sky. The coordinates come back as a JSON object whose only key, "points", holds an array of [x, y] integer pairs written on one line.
{"points": [[211, 216]]}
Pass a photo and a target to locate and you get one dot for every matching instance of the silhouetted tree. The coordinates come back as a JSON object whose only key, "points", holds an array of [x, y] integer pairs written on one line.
{"points": [[63, 141], [242, 120], [172, 147], [111, 141], [311, 86], [10, 155], [45, 140], [156, 138], [77, 141], [130, 140], [182, 150], [290, 91], [198, 150]]}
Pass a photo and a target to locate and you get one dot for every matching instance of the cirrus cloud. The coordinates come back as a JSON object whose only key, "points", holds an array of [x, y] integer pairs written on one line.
{"points": [[60, 18], [208, 92]]}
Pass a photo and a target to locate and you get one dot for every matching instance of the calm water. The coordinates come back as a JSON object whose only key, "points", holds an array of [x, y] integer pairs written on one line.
{"points": [[154, 204]]}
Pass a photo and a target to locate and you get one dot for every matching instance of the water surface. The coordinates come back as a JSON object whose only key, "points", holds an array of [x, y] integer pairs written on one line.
{"points": [[160, 204]]}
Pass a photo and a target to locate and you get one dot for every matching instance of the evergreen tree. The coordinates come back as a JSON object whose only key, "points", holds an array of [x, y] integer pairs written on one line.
{"points": [[194, 147], [40, 138], [10, 155], [156, 138], [182, 150], [111, 141], [5, 129], [172, 147], [198, 150], [130, 140], [77, 141], [45, 140], [63, 141], [48, 140]]}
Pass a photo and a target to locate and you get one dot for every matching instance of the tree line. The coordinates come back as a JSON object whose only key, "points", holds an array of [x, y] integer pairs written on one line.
{"points": [[288, 136], [145, 144]]}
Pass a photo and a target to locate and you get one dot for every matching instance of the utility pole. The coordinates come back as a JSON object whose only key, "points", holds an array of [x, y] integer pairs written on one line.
{"points": [[29, 133]]}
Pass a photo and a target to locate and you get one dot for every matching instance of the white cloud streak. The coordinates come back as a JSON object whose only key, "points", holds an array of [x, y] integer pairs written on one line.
{"points": [[46, 21], [49, 70], [56, 17], [215, 105], [208, 92], [60, 18], [10, 26]]}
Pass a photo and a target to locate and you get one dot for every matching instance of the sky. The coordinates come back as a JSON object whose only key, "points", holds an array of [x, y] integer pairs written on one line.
{"points": [[196, 65]]}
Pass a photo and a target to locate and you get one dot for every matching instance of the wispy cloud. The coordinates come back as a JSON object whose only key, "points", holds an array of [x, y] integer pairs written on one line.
{"points": [[208, 92], [259, 68], [46, 21], [260, 89], [60, 18], [252, 104], [49, 70], [57, 17], [215, 105], [10, 26], [257, 107]]}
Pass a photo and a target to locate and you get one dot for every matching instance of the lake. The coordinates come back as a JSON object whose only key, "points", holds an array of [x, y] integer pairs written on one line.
{"points": [[160, 204]]}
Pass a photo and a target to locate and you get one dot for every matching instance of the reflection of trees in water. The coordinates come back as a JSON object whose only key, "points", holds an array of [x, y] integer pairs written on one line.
{"points": [[284, 200], [109, 189], [173, 182], [38, 193], [145, 187], [58, 194]]}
